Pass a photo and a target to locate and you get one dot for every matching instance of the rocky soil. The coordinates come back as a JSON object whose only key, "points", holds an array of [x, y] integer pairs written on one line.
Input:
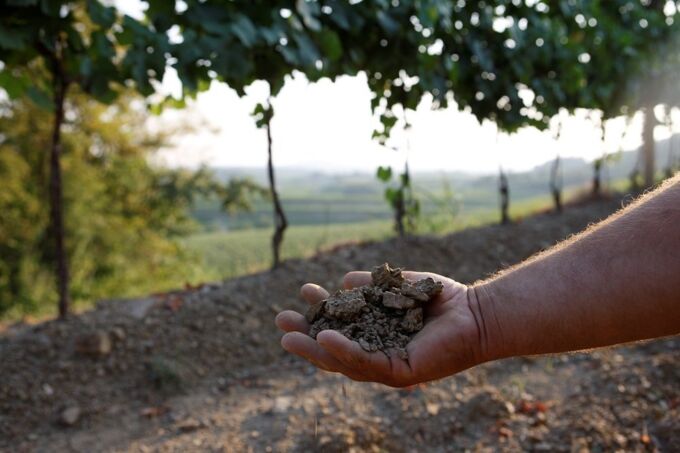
{"points": [[382, 316], [202, 370]]}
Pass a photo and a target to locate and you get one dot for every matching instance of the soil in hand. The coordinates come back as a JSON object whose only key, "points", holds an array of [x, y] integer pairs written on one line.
{"points": [[383, 316]]}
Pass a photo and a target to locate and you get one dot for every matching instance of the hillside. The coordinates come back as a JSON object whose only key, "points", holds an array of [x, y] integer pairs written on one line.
{"points": [[314, 197], [201, 369]]}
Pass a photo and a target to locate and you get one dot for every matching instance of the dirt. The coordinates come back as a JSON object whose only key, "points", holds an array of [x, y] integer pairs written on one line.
{"points": [[202, 370], [383, 316]]}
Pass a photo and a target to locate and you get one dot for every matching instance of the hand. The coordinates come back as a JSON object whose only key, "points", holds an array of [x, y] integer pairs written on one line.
{"points": [[451, 340]]}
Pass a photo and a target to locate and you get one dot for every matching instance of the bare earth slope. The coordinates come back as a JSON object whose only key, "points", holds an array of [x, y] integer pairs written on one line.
{"points": [[202, 369]]}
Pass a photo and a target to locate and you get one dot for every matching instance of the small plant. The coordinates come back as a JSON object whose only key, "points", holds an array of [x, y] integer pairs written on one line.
{"points": [[400, 198]]}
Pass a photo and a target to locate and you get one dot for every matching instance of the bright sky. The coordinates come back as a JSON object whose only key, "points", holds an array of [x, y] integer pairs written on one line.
{"points": [[328, 125]]}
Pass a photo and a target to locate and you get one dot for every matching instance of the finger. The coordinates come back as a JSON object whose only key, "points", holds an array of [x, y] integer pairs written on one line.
{"points": [[313, 293], [307, 348], [356, 278], [376, 366], [291, 321]]}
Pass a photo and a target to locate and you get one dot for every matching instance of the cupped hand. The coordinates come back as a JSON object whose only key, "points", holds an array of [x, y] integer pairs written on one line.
{"points": [[451, 339]]}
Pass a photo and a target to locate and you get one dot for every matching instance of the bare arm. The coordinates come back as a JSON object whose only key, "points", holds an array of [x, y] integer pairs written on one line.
{"points": [[617, 282]]}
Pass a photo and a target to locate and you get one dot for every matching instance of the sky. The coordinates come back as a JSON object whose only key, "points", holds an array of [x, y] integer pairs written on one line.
{"points": [[328, 125]]}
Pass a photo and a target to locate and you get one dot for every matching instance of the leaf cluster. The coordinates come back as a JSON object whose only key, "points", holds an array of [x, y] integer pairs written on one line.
{"points": [[514, 62], [124, 216], [82, 43]]}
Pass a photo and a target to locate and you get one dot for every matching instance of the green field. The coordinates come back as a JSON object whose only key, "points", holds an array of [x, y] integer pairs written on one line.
{"points": [[232, 253], [326, 210], [227, 254]]}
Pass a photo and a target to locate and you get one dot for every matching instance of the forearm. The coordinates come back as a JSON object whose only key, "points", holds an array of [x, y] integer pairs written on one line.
{"points": [[617, 282]]}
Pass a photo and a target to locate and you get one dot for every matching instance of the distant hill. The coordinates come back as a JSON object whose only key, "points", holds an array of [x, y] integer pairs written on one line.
{"points": [[313, 197]]}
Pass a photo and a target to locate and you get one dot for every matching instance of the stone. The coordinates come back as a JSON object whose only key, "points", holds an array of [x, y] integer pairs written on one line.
{"points": [[189, 425], [96, 344], [70, 416], [413, 320], [432, 408], [398, 301], [385, 277], [345, 305], [118, 333], [422, 290], [377, 316], [138, 308], [282, 404], [314, 311]]}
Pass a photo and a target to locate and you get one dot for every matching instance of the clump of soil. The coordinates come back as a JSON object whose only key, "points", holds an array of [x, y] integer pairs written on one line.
{"points": [[380, 317]]}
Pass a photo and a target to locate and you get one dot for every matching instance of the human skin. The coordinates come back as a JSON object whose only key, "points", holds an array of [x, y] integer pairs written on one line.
{"points": [[617, 282]]}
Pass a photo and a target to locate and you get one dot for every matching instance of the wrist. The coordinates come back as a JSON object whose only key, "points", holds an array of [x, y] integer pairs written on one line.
{"points": [[493, 341]]}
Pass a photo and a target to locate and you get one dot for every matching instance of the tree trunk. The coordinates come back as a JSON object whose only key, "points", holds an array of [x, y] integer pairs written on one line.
{"points": [[670, 166], [597, 177], [634, 175], [56, 198], [556, 184], [404, 196], [280, 221], [504, 190], [648, 146]]}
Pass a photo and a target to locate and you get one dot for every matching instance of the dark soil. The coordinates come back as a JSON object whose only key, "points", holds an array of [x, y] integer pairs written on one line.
{"points": [[383, 316], [202, 370]]}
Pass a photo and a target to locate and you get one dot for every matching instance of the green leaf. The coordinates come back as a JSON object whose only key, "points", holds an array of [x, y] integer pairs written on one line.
{"points": [[86, 67], [12, 39], [405, 179], [330, 44], [384, 173], [100, 14], [309, 10], [40, 98], [393, 195], [14, 86], [244, 30], [388, 24], [308, 52]]}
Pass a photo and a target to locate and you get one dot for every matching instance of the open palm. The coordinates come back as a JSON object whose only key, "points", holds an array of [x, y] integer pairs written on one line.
{"points": [[449, 342]]}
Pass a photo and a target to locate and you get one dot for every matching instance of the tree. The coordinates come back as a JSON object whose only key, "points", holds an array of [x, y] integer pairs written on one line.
{"points": [[263, 117], [400, 198], [515, 63], [504, 196], [121, 213], [48, 48], [670, 163], [655, 84], [598, 163], [239, 43], [556, 184]]}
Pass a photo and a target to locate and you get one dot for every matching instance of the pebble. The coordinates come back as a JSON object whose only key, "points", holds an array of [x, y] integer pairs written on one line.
{"points": [[47, 389], [70, 416], [432, 408], [190, 424], [282, 404], [96, 344], [118, 333]]}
